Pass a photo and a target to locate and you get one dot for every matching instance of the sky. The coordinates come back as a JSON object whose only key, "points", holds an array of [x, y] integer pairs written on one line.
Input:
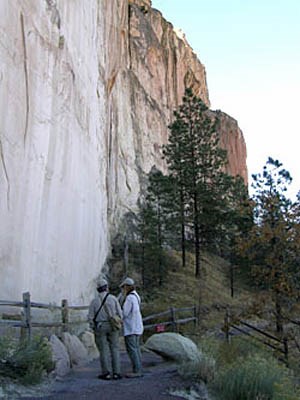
{"points": [[251, 53]]}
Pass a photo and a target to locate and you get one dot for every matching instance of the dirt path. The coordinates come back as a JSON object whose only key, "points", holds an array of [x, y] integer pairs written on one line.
{"points": [[82, 383]]}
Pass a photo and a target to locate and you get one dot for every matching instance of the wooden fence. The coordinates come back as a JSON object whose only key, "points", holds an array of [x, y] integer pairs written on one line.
{"points": [[26, 323], [295, 339], [292, 321], [280, 345], [171, 318]]}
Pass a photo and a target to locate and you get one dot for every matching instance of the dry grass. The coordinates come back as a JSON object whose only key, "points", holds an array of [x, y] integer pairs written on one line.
{"points": [[210, 293]]}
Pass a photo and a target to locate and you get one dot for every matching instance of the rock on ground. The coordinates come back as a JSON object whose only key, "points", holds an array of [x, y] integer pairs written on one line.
{"points": [[77, 352], [60, 356], [173, 346], [88, 339]]}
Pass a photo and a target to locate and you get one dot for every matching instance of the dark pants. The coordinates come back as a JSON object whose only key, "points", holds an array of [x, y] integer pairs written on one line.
{"points": [[132, 343]]}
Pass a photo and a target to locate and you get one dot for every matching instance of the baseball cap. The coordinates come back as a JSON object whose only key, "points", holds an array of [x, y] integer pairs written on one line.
{"points": [[128, 282]]}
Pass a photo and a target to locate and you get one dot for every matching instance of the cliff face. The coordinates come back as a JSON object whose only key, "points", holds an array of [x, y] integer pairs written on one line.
{"points": [[87, 90], [232, 139]]}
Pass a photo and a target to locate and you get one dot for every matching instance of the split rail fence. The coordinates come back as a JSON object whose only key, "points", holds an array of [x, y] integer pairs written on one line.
{"points": [[280, 345], [26, 321], [173, 318]]}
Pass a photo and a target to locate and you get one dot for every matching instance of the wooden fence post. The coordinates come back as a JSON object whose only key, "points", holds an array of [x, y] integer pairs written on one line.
{"points": [[26, 318], [286, 350], [64, 315], [195, 316], [173, 320], [226, 325]]}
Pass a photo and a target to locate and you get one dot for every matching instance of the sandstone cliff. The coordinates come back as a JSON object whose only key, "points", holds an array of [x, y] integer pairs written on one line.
{"points": [[87, 89]]}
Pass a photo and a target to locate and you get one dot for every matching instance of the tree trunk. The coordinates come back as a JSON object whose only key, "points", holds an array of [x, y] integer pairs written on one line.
{"points": [[159, 242], [182, 230], [125, 256], [183, 245], [197, 237], [143, 262], [182, 220], [279, 319], [231, 280]]}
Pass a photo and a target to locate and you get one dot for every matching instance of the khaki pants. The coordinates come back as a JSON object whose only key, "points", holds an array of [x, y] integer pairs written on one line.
{"points": [[107, 342]]}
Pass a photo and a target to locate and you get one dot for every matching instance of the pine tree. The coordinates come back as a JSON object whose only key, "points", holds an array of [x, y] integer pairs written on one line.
{"points": [[195, 161], [154, 224], [173, 154], [236, 222], [271, 244]]}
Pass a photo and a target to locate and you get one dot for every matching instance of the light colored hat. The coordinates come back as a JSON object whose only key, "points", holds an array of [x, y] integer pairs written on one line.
{"points": [[102, 282], [128, 282]]}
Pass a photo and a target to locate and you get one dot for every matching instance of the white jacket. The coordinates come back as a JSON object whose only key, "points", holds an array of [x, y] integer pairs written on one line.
{"points": [[132, 317]]}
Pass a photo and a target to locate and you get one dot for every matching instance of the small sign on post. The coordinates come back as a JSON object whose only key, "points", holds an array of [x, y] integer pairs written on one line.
{"points": [[160, 328]]}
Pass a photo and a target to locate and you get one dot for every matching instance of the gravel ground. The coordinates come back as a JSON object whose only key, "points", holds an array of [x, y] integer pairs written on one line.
{"points": [[159, 378]]}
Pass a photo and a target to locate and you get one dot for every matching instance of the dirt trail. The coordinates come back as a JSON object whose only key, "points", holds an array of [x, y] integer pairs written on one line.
{"points": [[82, 383]]}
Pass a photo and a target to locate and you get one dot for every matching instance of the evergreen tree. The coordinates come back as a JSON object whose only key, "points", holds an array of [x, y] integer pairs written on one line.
{"points": [[173, 154], [271, 244], [236, 222], [154, 226], [195, 161]]}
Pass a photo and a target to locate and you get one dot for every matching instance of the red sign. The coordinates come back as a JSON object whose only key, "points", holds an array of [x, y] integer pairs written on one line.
{"points": [[159, 328]]}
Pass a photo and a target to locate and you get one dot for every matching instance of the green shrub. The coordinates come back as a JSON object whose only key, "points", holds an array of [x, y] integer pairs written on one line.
{"points": [[255, 377], [286, 390], [6, 347], [239, 347], [25, 362], [204, 369]]}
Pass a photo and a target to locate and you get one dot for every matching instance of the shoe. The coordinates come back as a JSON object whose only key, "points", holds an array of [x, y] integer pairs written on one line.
{"points": [[117, 376], [134, 375], [106, 377]]}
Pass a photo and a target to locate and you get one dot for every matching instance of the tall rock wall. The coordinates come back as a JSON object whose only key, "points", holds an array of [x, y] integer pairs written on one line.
{"points": [[87, 89]]}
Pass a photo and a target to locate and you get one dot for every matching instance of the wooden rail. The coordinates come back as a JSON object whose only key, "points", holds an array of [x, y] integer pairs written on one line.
{"points": [[26, 322], [280, 345], [293, 321], [171, 314]]}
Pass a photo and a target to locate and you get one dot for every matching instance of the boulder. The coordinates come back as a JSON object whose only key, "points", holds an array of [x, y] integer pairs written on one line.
{"points": [[77, 352], [60, 356], [88, 340], [173, 346]]}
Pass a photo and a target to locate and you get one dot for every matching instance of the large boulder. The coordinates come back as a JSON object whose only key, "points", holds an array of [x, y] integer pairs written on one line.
{"points": [[60, 356], [173, 346], [77, 352], [88, 339]]}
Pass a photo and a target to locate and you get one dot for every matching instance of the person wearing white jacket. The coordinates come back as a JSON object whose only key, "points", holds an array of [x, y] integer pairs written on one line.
{"points": [[132, 326]]}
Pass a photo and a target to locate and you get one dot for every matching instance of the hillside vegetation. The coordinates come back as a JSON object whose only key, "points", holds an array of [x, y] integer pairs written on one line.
{"points": [[243, 368], [211, 294]]}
